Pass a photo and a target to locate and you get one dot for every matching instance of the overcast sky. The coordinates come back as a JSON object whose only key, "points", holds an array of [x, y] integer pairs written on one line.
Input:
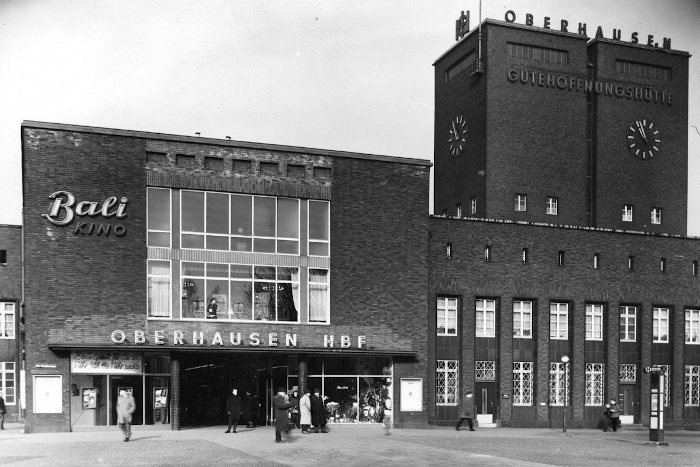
{"points": [[352, 75]]}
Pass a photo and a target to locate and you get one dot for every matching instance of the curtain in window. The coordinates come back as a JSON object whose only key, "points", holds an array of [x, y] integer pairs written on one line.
{"points": [[159, 289], [318, 295], [295, 289]]}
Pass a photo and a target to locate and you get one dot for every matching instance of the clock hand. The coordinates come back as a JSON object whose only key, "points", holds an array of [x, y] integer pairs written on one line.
{"points": [[641, 131]]}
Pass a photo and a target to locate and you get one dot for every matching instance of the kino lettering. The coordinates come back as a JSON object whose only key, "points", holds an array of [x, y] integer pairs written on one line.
{"points": [[65, 209]]}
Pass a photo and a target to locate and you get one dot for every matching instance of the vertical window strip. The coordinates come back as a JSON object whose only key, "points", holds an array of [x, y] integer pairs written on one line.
{"points": [[522, 383], [692, 386], [595, 384], [594, 322], [447, 382], [559, 321], [485, 318], [558, 383], [522, 319], [628, 323], [8, 384], [660, 326], [446, 316]]}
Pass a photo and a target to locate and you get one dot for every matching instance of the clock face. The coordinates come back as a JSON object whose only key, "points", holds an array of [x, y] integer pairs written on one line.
{"points": [[643, 139], [457, 135]]}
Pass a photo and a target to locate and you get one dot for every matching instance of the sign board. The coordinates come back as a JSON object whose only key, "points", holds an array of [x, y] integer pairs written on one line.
{"points": [[411, 394], [112, 363], [89, 398]]}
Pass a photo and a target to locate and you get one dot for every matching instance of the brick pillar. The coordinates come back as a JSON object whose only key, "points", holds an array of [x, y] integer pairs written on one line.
{"points": [[303, 372], [174, 392]]}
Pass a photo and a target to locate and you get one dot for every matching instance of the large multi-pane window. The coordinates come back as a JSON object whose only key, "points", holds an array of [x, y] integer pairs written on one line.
{"points": [[558, 320], [692, 326], [242, 292], [319, 228], [159, 226], [628, 323], [661, 317], [522, 318], [595, 384], [447, 382], [594, 322], [7, 320], [159, 289], [692, 385], [522, 383], [446, 316], [222, 221], [8, 384], [485, 318], [558, 383]]}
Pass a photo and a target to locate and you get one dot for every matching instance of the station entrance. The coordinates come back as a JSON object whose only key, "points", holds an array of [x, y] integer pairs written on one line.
{"points": [[354, 388]]}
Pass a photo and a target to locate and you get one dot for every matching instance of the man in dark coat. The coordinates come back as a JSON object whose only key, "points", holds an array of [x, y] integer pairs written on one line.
{"points": [[467, 411], [281, 406], [233, 408], [318, 411]]}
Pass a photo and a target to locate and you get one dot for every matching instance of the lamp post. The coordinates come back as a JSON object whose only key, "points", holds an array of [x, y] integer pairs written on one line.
{"points": [[565, 361]]}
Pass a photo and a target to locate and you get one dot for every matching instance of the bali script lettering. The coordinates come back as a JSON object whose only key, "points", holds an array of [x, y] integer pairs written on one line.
{"points": [[65, 209]]}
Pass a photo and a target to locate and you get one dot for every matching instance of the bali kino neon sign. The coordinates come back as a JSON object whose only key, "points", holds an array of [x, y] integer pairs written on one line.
{"points": [[64, 210]]}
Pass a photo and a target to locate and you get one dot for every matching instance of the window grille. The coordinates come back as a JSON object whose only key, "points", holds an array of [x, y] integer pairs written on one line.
{"points": [[522, 383], [692, 385], [595, 384], [628, 373], [447, 382], [485, 371]]}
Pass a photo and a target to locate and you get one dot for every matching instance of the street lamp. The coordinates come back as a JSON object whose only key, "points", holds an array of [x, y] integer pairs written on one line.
{"points": [[565, 361]]}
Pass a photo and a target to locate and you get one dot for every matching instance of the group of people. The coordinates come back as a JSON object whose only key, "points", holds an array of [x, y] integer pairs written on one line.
{"points": [[238, 409], [307, 413], [610, 418]]}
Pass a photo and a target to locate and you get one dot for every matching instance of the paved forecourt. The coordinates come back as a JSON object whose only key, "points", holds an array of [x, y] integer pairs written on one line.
{"points": [[348, 445]]}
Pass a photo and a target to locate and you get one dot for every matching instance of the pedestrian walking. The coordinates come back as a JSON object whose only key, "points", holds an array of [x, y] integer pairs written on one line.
{"points": [[318, 411], [305, 411], [605, 420], [125, 407], [467, 412], [614, 416], [281, 405], [387, 416], [233, 408], [249, 410], [3, 411]]}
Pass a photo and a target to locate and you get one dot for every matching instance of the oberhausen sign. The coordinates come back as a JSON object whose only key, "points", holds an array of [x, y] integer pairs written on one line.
{"points": [[564, 27], [65, 210], [234, 339]]}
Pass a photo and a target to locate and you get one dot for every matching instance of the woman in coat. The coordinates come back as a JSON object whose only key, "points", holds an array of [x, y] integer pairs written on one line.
{"points": [[318, 411], [305, 411], [282, 406]]}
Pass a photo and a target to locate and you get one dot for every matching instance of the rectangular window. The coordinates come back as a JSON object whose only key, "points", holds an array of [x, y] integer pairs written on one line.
{"points": [[459, 210], [594, 322], [520, 202], [630, 262], [446, 316], [485, 318], [595, 384], [552, 205], [692, 386], [472, 203], [661, 317], [628, 323], [242, 292], [627, 213], [662, 265], [220, 221], [596, 260], [558, 383], [561, 258], [692, 326], [464, 63], [559, 321], [485, 371], [522, 383], [158, 289], [448, 251], [8, 383], [487, 253], [536, 53], [3, 257], [158, 214], [525, 255], [7, 320], [522, 319], [319, 296], [319, 228], [447, 382], [694, 268], [628, 373], [643, 70], [656, 216]]}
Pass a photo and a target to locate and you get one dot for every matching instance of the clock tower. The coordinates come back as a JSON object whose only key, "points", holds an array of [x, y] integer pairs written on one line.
{"points": [[544, 126]]}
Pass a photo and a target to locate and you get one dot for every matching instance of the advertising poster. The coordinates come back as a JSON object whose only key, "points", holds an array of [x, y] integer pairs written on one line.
{"points": [[160, 398], [89, 398]]}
